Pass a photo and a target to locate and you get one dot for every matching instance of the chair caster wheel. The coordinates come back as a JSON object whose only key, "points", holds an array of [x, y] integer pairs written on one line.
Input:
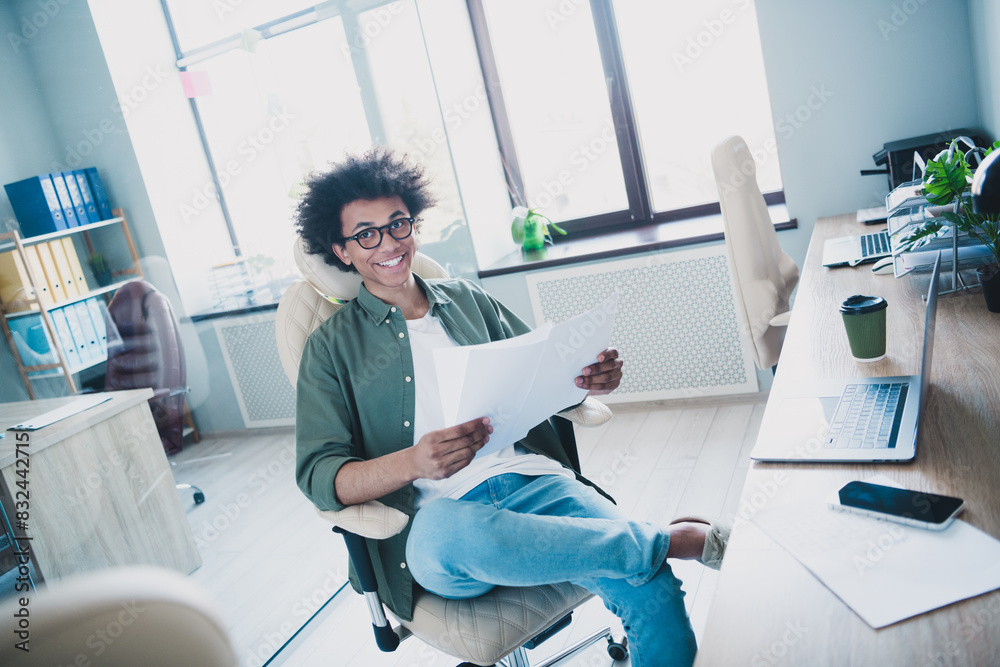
{"points": [[199, 497], [618, 647]]}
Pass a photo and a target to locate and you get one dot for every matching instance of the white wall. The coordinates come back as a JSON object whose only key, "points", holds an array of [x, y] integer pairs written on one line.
{"points": [[984, 16], [873, 71]]}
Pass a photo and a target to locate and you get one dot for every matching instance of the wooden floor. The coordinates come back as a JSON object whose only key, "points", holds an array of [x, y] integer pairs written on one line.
{"points": [[268, 560], [658, 464]]}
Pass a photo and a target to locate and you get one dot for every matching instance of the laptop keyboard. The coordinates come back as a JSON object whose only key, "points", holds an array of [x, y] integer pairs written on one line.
{"points": [[867, 417], [875, 244]]}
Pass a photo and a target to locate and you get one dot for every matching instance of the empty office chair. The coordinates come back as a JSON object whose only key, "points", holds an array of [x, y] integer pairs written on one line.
{"points": [[122, 617], [764, 275], [483, 630], [151, 355]]}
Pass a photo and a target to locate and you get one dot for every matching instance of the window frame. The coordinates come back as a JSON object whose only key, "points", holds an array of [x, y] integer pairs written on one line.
{"points": [[640, 211]]}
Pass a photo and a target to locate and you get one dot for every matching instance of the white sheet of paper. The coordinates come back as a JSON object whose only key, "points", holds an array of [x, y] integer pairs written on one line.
{"points": [[521, 381], [885, 571]]}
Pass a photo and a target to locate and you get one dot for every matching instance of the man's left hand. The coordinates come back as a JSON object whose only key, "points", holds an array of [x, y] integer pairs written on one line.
{"points": [[604, 376]]}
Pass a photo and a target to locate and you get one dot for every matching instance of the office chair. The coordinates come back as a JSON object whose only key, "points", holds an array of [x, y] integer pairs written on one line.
{"points": [[501, 624], [151, 355], [121, 617], [764, 275]]}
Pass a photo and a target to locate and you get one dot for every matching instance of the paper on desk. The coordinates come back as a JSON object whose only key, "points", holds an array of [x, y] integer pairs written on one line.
{"points": [[58, 414], [520, 382], [884, 571]]}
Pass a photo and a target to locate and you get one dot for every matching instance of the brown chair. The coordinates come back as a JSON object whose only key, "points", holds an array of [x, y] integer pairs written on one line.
{"points": [[150, 355]]}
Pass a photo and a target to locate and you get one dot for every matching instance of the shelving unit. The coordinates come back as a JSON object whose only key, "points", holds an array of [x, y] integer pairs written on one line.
{"points": [[31, 304]]}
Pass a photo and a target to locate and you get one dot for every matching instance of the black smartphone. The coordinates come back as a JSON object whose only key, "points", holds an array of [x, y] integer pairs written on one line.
{"points": [[915, 508]]}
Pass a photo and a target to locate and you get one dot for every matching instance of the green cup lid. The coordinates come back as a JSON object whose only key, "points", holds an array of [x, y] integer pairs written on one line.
{"points": [[859, 304]]}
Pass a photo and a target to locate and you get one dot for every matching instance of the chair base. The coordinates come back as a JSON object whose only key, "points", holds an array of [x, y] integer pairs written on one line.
{"points": [[617, 649]]}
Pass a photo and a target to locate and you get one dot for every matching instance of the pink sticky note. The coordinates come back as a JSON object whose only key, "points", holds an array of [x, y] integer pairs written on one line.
{"points": [[196, 84]]}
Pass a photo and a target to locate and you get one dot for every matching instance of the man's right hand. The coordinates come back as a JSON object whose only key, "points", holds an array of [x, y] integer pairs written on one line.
{"points": [[440, 454]]}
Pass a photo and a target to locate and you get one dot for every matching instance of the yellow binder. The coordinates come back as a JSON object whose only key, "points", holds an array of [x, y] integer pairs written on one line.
{"points": [[15, 286], [42, 289], [66, 276], [51, 273], [74, 265]]}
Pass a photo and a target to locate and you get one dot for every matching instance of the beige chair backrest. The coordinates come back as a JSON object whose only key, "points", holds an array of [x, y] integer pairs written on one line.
{"points": [[764, 274], [163, 619], [308, 302]]}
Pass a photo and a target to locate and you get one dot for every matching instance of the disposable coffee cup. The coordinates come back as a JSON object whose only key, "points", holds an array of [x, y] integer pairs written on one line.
{"points": [[864, 319]]}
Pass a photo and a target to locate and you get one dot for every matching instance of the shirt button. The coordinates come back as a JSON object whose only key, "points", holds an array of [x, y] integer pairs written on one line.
{"points": [[393, 309], [387, 321], [402, 335], [402, 565], [406, 424], [408, 378]]}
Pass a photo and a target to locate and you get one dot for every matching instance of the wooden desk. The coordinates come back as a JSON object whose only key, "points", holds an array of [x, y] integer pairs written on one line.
{"points": [[101, 492], [768, 609]]}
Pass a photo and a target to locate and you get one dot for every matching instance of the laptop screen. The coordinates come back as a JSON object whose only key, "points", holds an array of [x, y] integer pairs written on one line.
{"points": [[929, 322]]}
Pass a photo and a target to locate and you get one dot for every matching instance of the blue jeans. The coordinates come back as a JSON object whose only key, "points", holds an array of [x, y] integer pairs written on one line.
{"points": [[515, 530]]}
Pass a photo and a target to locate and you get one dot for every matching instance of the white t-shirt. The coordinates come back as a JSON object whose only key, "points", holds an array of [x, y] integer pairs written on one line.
{"points": [[427, 334]]}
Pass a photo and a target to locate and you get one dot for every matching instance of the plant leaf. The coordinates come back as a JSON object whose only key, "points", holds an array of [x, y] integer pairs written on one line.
{"points": [[946, 176], [921, 235]]}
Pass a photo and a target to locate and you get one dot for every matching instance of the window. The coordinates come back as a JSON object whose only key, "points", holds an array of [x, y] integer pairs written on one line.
{"points": [[607, 111], [288, 97]]}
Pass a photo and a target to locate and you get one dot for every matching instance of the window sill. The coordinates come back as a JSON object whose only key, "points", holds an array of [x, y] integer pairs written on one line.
{"points": [[622, 243], [232, 312]]}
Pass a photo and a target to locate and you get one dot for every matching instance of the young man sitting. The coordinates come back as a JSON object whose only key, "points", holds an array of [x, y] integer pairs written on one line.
{"points": [[521, 516]]}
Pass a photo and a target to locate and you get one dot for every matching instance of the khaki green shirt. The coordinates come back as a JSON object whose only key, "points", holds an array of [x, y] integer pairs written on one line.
{"points": [[355, 401]]}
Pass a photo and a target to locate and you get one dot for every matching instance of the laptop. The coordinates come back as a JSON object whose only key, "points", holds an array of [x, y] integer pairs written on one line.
{"points": [[857, 419], [854, 250]]}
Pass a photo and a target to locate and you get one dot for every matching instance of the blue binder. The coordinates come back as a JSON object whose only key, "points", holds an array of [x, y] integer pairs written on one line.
{"points": [[100, 198], [91, 352], [66, 342], [69, 212], [76, 197], [97, 319], [88, 199], [36, 205], [32, 340]]}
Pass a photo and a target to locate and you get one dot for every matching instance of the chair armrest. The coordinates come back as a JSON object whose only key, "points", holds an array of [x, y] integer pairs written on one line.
{"points": [[372, 520], [590, 412], [781, 319]]}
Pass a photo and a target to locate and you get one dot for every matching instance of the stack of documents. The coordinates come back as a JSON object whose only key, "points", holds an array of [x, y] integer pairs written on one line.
{"points": [[884, 571], [520, 382]]}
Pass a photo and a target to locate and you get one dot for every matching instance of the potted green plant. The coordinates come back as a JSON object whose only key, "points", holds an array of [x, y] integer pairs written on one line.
{"points": [[946, 182], [531, 229], [102, 271]]}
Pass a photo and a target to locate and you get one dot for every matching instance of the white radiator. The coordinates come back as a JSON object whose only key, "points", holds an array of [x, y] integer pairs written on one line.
{"points": [[676, 326], [265, 395]]}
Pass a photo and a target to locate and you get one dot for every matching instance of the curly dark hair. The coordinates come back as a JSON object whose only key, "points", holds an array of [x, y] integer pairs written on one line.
{"points": [[371, 175]]}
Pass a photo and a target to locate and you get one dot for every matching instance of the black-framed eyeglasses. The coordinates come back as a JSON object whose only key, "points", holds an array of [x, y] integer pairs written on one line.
{"points": [[371, 238]]}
